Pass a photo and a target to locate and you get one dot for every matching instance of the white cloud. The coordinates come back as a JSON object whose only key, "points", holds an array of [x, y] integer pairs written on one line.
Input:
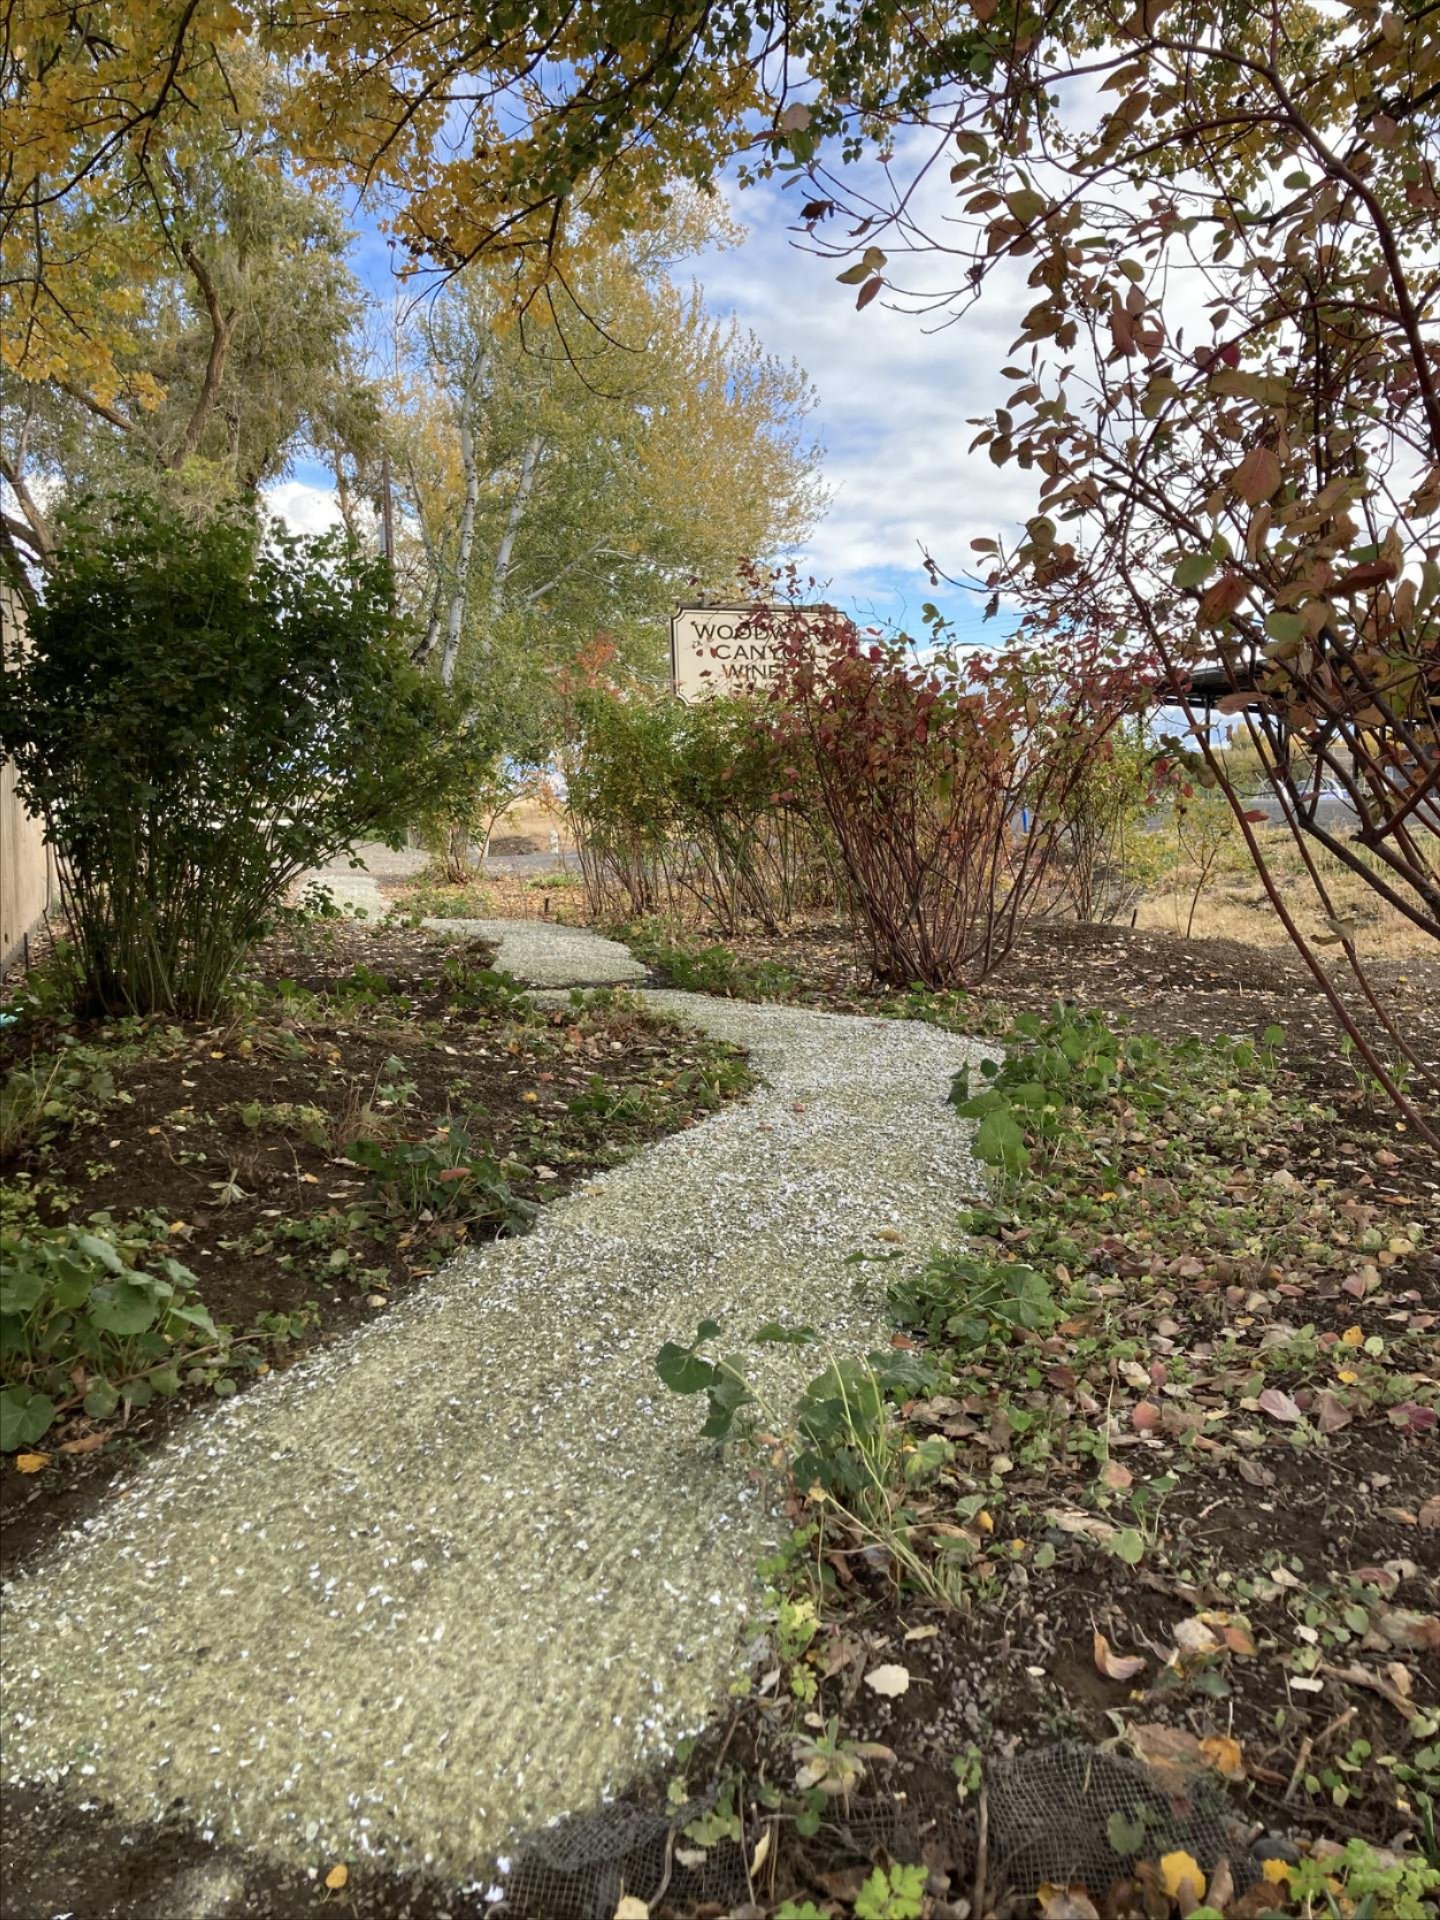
{"points": [[304, 507], [897, 394]]}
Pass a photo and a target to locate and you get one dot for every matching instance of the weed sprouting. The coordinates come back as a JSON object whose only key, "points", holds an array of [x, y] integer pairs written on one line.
{"points": [[707, 969], [444, 1178]]}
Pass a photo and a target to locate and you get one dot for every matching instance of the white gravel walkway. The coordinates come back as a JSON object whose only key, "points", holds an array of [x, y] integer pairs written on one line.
{"points": [[467, 1569], [543, 954]]}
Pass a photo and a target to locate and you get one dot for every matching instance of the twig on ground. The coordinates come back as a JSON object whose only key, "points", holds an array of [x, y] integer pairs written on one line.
{"points": [[1359, 1677], [982, 1845]]}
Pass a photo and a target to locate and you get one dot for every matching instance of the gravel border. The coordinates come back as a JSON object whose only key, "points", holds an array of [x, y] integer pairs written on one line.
{"points": [[544, 954], [471, 1568]]}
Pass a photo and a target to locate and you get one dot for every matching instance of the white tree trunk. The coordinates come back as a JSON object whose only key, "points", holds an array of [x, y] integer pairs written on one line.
{"points": [[504, 559], [456, 617]]}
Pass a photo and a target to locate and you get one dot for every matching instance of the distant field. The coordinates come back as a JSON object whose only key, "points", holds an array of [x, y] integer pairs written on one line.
{"points": [[1233, 904]]}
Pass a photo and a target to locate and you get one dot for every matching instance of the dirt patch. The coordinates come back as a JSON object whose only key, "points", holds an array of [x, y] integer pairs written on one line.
{"points": [[239, 1148], [1222, 1460], [1165, 985], [88, 1865]]}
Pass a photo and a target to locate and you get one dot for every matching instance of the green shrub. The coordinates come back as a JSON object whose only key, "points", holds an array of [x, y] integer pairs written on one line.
{"points": [[81, 1324], [679, 806], [969, 1300], [203, 713], [1068, 1063]]}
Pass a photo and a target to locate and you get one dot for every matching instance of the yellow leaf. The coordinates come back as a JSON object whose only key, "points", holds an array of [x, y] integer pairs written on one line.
{"points": [[1277, 1872], [1353, 1336], [632, 1909], [31, 1462], [1223, 1753], [1179, 1871], [984, 1521], [336, 1878], [1344, 1375]]}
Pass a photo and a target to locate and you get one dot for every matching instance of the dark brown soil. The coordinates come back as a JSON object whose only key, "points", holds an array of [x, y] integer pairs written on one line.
{"points": [[1018, 1668], [85, 1864], [1167, 986], [231, 1140]]}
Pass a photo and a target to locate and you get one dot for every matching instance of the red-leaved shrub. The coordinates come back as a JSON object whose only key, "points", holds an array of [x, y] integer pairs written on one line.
{"points": [[945, 776]]}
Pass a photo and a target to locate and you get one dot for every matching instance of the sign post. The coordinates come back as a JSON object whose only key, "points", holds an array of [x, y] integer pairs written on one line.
{"points": [[722, 650]]}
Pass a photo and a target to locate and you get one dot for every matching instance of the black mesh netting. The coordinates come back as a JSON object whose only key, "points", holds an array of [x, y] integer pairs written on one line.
{"points": [[1063, 1814]]}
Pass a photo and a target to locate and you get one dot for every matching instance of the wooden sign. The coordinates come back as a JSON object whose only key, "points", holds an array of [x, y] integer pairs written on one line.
{"points": [[723, 650]]}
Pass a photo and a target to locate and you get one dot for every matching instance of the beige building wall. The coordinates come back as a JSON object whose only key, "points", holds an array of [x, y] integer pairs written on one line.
{"points": [[27, 871]]}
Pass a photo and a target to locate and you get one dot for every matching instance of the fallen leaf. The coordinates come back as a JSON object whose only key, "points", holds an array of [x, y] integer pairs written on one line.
{"points": [[1145, 1417], [87, 1443], [1410, 1413], [336, 1878], [1116, 1666], [1169, 1750], [1417, 1631], [1195, 1640], [1331, 1412], [1181, 1877], [632, 1909], [1401, 1679], [1224, 1755], [1116, 1474], [31, 1462], [762, 1852], [1089, 1525], [1066, 1903], [1222, 1886], [888, 1681], [922, 1633], [1278, 1405], [1429, 1515]]}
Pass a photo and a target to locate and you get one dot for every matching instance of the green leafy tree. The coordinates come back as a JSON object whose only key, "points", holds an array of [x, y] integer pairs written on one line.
{"points": [[203, 713], [239, 346], [570, 472]]}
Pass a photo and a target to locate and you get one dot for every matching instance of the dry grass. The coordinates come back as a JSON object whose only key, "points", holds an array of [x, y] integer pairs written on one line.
{"points": [[533, 820], [1234, 904]]}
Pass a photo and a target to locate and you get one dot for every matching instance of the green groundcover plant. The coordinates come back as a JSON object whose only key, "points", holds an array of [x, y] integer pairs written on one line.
{"points": [[81, 1323], [203, 712]]}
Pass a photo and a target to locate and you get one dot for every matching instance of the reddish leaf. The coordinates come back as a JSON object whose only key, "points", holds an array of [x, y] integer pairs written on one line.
{"points": [[1221, 600], [1331, 1412], [1373, 573], [1411, 1414]]}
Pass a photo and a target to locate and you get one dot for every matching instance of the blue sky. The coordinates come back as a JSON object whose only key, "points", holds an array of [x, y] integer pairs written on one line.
{"points": [[895, 399]]}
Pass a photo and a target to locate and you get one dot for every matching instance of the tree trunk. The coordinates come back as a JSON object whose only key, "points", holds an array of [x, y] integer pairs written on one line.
{"points": [[504, 559], [456, 617]]}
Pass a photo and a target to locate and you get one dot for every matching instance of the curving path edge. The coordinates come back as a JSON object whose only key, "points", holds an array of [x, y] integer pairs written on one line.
{"points": [[469, 1568]]}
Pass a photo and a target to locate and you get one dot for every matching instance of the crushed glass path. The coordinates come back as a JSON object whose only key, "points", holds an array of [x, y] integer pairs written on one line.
{"points": [[472, 1567]]}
